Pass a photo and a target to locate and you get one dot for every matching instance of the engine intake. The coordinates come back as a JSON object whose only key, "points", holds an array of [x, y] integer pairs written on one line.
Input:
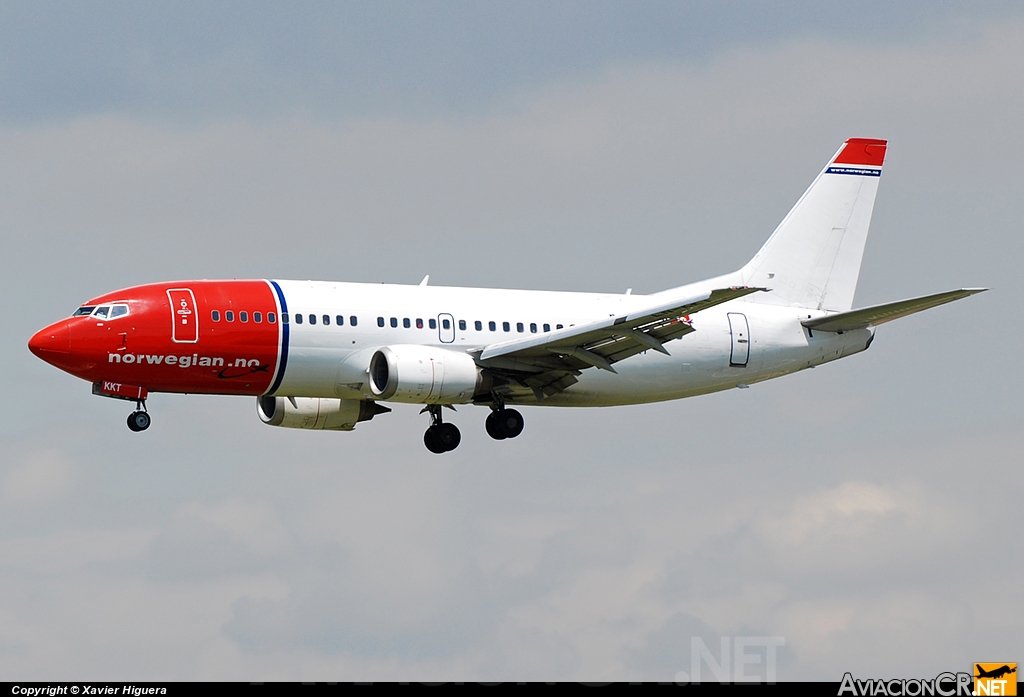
{"points": [[425, 375], [317, 413]]}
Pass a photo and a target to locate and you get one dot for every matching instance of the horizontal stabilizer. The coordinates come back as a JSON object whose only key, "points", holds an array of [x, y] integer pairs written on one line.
{"points": [[880, 314]]}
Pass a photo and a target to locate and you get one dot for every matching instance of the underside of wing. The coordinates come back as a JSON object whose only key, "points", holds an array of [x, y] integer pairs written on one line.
{"points": [[549, 363], [880, 314]]}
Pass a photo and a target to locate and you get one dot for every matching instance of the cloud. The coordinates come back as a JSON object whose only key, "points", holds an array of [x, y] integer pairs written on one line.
{"points": [[44, 475], [72, 549], [847, 510], [254, 525], [854, 509]]}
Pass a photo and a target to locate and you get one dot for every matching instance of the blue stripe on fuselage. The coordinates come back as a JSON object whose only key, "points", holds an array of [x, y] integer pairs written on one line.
{"points": [[283, 363]]}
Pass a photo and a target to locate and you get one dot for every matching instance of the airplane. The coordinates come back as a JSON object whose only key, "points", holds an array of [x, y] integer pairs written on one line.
{"points": [[995, 673], [329, 355]]}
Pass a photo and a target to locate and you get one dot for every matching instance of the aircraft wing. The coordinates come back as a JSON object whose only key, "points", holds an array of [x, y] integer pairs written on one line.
{"points": [[880, 314], [550, 362]]}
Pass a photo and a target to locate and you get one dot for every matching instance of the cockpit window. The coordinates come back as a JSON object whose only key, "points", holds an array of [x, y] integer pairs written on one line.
{"points": [[84, 310], [118, 311], [101, 312]]}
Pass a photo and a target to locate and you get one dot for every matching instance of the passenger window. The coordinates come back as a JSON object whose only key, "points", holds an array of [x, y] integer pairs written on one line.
{"points": [[380, 321], [327, 319], [340, 320], [478, 325], [272, 318], [284, 318], [446, 324], [419, 323], [298, 318], [215, 315], [433, 324], [506, 326], [243, 316], [353, 320], [87, 310], [101, 311], [407, 323], [547, 327], [519, 327], [394, 322], [462, 325], [229, 316], [118, 311], [492, 326], [257, 317], [533, 328], [558, 326], [312, 318]]}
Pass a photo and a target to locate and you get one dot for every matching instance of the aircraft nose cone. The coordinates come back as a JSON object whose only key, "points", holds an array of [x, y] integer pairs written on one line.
{"points": [[52, 343]]}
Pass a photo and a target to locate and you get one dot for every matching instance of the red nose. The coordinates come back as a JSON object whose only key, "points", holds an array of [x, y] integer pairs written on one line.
{"points": [[52, 344]]}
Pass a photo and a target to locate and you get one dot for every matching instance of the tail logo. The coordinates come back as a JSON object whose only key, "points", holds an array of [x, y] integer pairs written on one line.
{"points": [[858, 171]]}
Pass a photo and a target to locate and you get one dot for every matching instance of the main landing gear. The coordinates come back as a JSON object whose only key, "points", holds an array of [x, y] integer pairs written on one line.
{"points": [[139, 419], [440, 437], [504, 423]]}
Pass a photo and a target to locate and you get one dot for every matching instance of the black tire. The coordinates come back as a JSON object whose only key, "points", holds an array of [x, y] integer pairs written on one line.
{"points": [[139, 421], [432, 442], [493, 426], [448, 436], [512, 422]]}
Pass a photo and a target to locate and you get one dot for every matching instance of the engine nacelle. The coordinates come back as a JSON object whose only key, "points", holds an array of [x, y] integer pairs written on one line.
{"points": [[425, 375], [319, 413]]}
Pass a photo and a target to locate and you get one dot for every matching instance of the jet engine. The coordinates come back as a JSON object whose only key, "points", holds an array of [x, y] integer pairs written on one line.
{"points": [[318, 413], [425, 375]]}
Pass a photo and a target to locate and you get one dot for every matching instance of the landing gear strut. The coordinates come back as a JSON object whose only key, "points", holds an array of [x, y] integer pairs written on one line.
{"points": [[139, 419], [440, 437], [504, 423]]}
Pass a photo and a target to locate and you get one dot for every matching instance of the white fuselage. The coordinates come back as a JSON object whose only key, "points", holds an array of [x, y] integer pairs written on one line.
{"points": [[331, 360]]}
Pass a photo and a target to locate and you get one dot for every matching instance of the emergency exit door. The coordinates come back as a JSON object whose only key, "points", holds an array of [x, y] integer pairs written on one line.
{"points": [[740, 332], [446, 328], [184, 319]]}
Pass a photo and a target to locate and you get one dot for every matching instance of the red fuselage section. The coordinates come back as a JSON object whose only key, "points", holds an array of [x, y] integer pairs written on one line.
{"points": [[212, 337]]}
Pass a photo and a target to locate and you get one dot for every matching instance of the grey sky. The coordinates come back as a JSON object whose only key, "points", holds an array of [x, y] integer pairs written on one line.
{"points": [[858, 510]]}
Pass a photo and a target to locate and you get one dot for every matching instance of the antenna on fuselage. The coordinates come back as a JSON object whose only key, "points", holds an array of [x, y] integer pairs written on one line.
{"points": [[425, 279]]}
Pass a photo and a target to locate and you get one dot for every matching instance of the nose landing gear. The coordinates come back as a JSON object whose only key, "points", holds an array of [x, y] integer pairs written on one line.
{"points": [[440, 437], [139, 419]]}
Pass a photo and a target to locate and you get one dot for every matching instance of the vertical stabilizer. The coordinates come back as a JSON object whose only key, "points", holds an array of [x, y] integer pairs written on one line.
{"points": [[813, 258]]}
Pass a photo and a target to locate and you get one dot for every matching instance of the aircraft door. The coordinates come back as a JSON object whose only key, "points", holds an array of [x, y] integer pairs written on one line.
{"points": [[446, 328], [740, 353], [184, 318]]}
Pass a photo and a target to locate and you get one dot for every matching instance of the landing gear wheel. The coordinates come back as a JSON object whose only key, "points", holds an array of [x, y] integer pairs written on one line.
{"points": [[431, 441], [442, 438], [504, 423], [449, 436], [138, 421], [511, 422], [493, 426]]}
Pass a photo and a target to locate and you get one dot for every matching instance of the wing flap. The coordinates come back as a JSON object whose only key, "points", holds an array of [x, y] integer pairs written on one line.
{"points": [[550, 362], [612, 336], [880, 314]]}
